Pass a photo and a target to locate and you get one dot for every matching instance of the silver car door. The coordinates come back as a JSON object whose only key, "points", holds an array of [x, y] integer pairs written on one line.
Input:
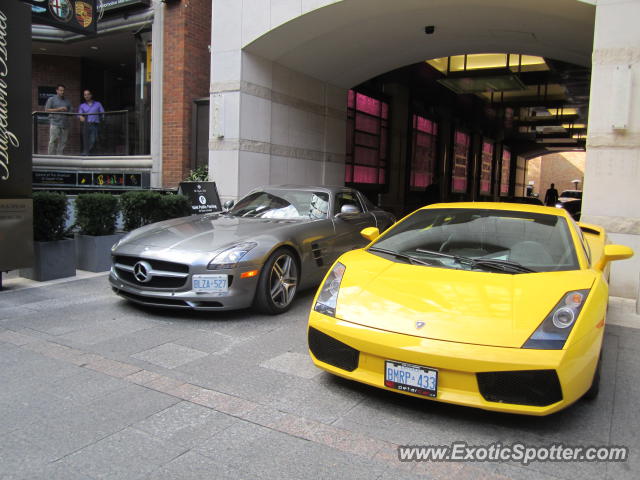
{"points": [[348, 225]]}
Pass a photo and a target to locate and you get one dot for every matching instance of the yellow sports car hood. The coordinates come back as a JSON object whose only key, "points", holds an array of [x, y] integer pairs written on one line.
{"points": [[482, 308]]}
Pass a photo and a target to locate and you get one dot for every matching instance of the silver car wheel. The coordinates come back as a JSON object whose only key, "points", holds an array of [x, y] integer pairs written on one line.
{"points": [[283, 280]]}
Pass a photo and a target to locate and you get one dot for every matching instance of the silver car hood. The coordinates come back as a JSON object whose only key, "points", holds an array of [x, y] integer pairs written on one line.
{"points": [[204, 233]]}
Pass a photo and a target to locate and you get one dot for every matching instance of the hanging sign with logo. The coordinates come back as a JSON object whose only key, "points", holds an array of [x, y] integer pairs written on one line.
{"points": [[16, 207], [79, 16], [203, 196]]}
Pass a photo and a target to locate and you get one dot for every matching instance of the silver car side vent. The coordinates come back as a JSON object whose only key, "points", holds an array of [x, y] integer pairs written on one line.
{"points": [[316, 251]]}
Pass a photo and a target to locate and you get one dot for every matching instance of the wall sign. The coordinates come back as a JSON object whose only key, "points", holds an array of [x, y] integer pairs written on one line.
{"points": [[16, 208], [62, 178], [116, 4], [203, 196], [55, 178], [79, 16]]}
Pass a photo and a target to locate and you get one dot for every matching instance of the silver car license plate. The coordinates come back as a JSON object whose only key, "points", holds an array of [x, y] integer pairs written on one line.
{"points": [[210, 283]]}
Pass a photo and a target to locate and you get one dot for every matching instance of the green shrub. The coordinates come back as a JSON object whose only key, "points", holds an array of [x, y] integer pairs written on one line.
{"points": [[143, 207], [96, 213], [139, 208], [200, 174], [49, 216], [173, 206]]}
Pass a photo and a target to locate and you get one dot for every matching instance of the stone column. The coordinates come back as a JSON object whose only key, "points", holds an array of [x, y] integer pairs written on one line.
{"points": [[612, 173], [268, 124]]}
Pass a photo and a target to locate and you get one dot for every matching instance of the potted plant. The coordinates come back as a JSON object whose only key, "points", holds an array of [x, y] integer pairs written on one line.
{"points": [[96, 215], [54, 253]]}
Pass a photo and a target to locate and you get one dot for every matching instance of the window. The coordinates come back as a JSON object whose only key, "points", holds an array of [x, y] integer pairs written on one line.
{"points": [[367, 139], [423, 153], [461, 144], [485, 168], [346, 198], [505, 172]]}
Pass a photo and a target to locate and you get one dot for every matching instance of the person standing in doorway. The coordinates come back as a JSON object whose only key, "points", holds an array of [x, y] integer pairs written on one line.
{"points": [[57, 106], [551, 197], [91, 115]]}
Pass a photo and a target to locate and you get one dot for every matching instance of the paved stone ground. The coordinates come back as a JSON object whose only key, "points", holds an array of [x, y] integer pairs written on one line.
{"points": [[92, 387]]}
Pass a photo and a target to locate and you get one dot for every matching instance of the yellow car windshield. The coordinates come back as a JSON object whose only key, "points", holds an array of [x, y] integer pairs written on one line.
{"points": [[442, 237]]}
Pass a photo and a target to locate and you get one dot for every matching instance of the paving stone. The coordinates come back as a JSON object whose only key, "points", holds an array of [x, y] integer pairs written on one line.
{"points": [[297, 364], [206, 341], [134, 402], [185, 424], [170, 355], [112, 368], [128, 454], [142, 377], [20, 458]]}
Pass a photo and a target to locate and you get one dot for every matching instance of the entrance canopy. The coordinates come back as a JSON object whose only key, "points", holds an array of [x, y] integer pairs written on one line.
{"points": [[351, 41]]}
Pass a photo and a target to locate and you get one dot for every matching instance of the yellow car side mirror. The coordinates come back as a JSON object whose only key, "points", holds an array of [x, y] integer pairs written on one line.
{"points": [[614, 252], [370, 233]]}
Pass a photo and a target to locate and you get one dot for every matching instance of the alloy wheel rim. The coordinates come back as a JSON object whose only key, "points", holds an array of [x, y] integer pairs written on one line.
{"points": [[283, 280]]}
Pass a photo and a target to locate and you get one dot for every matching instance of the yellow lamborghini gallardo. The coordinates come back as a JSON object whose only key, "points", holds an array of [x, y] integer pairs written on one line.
{"points": [[490, 305]]}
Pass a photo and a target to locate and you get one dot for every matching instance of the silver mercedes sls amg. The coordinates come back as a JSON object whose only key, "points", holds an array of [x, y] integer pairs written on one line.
{"points": [[260, 252]]}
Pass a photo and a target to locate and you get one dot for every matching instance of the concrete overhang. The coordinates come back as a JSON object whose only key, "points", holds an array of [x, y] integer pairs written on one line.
{"points": [[351, 41]]}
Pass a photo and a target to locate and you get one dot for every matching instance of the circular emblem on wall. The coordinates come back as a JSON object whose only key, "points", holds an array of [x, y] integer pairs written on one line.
{"points": [[84, 14], [202, 199], [61, 9]]}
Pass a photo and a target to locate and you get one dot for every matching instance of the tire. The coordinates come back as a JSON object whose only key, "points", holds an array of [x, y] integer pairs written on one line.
{"points": [[278, 283], [594, 389]]}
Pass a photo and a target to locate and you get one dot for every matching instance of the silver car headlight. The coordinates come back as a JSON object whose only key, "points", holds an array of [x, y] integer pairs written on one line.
{"points": [[328, 297], [229, 257], [556, 327]]}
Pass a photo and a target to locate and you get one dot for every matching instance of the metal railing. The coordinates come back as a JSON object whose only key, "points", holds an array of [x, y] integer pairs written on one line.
{"points": [[66, 134]]}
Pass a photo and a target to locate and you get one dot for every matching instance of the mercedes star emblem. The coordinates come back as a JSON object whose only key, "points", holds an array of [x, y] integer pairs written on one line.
{"points": [[142, 272]]}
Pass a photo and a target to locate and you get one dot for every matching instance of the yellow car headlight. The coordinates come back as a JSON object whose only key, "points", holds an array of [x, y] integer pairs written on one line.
{"points": [[556, 327], [328, 296]]}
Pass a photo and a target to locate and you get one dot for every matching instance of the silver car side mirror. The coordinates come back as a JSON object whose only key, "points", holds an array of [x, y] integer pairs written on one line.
{"points": [[228, 204], [347, 210]]}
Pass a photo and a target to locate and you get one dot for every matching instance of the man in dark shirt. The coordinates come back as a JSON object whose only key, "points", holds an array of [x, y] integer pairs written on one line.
{"points": [[551, 197], [56, 106]]}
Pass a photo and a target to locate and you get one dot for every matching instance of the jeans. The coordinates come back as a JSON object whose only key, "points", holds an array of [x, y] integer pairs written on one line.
{"points": [[90, 136], [57, 139]]}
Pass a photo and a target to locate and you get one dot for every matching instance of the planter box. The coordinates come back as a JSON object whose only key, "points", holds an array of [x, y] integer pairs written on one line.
{"points": [[94, 253], [52, 260]]}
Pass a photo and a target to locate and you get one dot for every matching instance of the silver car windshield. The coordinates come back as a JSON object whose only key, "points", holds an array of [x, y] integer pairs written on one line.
{"points": [[480, 239], [283, 204]]}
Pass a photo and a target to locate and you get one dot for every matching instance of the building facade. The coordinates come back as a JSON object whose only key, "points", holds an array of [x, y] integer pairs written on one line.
{"points": [[282, 73]]}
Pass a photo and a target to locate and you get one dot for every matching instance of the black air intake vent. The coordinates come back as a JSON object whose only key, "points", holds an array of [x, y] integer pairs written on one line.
{"points": [[538, 388], [329, 350]]}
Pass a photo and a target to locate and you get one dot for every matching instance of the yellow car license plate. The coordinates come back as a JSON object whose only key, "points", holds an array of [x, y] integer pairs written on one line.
{"points": [[411, 378]]}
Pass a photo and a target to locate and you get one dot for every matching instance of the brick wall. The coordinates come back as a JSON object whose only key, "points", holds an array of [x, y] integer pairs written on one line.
{"points": [[187, 35], [557, 168], [49, 71]]}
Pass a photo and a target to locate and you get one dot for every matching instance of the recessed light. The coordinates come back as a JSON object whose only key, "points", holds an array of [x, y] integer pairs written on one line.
{"points": [[43, 49], [93, 47]]}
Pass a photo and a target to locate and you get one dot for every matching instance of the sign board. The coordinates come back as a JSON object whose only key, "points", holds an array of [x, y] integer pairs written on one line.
{"points": [[203, 196], [79, 16], [62, 178], [110, 5], [44, 93], [55, 178], [16, 207], [16, 233]]}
